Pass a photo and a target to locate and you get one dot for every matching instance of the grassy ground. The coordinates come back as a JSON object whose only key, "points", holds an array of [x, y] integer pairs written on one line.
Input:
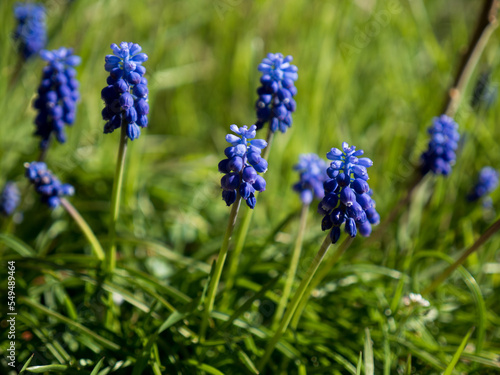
{"points": [[371, 73]]}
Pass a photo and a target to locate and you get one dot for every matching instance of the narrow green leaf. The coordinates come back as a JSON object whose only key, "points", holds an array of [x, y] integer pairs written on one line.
{"points": [[97, 367], [458, 353], [369, 364], [26, 364], [47, 368], [204, 367], [17, 245], [302, 369], [408, 365], [76, 326], [175, 317], [245, 359], [360, 364]]}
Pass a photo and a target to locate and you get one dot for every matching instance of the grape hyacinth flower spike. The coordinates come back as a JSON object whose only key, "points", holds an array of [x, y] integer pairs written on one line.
{"points": [[126, 107], [57, 95], [440, 155], [487, 182], [30, 32], [53, 193], [126, 95], [9, 199], [312, 173], [347, 198], [242, 166], [48, 186], [346, 202], [276, 94]]}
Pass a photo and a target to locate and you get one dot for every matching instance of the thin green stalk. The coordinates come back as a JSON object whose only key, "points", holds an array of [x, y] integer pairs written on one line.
{"points": [[320, 275], [292, 307], [219, 264], [241, 236], [115, 198], [495, 227], [294, 262], [85, 228]]}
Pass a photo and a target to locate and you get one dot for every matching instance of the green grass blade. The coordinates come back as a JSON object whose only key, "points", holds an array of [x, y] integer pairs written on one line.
{"points": [[47, 368], [247, 362], [360, 364], [408, 365], [458, 353], [26, 364], [76, 326], [204, 367], [97, 367], [17, 245], [369, 364]]}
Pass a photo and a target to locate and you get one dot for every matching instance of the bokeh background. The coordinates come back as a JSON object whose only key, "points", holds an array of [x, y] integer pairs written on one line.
{"points": [[372, 73]]}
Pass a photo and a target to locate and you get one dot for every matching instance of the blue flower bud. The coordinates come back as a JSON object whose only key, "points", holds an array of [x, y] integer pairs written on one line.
{"points": [[365, 229], [330, 185], [230, 181], [360, 186], [224, 166], [350, 227], [347, 196], [229, 196], [133, 131], [249, 174], [364, 201], [259, 184], [335, 234], [337, 216], [246, 190], [126, 101], [261, 167], [326, 223], [235, 164], [343, 179], [330, 201], [251, 201]]}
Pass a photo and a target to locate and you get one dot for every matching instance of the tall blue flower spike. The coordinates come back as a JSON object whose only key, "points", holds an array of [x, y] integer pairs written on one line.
{"points": [[57, 95], [347, 197], [30, 32], [276, 104], [126, 96], [9, 199], [486, 183], [48, 186], [312, 173], [440, 155], [242, 166]]}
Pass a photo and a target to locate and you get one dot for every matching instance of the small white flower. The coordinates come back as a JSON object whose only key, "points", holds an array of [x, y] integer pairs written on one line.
{"points": [[415, 299]]}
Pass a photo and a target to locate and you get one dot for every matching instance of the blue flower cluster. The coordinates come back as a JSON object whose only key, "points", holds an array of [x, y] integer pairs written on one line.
{"points": [[347, 194], [242, 165], [312, 171], [126, 96], [9, 199], [440, 155], [487, 182], [276, 104], [46, 184], [57, 95], [31, 31]]}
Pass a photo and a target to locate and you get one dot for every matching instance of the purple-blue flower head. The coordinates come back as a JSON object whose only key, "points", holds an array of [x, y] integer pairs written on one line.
{"points": [[486, 183], [48, 186], [312, 174], [126, 96], [9, 199], [440, 155], [30, 32], [347, 199], [276, 101], [242, 167], [57, 95]]}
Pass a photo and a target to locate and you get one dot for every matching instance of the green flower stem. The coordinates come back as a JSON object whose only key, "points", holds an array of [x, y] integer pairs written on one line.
{"points": [[292, 269], [219, 264], [487, 23], [115, 198], [495, 227], [318, 278], [241, 236], [292, 306], [85, 228]]}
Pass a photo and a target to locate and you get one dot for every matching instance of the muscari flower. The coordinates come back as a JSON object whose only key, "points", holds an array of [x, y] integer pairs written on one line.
{"points": [[312, 173], [31, 31], [347, 194], [57, 95], [440, 155], [126, 96], [242, 166], [486, 183], [9, 199], [276, 104], [46, 184]]}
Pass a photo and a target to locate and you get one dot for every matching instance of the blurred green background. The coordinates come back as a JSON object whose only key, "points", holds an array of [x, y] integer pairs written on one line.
{"points": [[372, 73]]}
